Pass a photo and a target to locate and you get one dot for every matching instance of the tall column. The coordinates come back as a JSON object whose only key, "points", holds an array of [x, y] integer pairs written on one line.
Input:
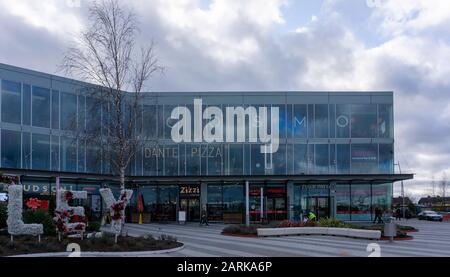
{"points": [[290, 200], [332, 200], [203, 195], [247, 204]]}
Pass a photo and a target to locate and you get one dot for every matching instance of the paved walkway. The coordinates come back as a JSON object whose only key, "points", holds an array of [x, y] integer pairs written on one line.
{"points": [[433, 239]]}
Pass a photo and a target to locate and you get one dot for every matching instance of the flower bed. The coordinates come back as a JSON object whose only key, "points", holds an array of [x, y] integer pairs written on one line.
{"points": [[29, 244]]}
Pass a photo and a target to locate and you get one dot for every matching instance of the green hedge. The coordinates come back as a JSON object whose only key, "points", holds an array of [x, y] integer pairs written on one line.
{"points": [[42, 217]]}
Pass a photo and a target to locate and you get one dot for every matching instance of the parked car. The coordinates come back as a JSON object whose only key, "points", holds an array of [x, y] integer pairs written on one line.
{"points": [[430, 215]]}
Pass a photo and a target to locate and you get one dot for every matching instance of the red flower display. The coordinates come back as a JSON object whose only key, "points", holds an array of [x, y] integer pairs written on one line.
{"points": [[33, 203]]}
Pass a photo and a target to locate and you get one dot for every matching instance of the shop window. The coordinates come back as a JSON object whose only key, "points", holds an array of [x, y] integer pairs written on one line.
{"points": [[215, 205], [321, 120], [360, 202], [342, 198], [236, 159], [364, 158], [41, 151]]}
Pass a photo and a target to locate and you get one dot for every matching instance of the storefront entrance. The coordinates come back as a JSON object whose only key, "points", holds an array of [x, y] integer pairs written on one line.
{"points": [[319, 205], [190, 201], [192, 208]]}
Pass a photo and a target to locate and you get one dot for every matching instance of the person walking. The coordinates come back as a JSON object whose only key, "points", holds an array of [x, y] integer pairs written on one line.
{"points": [[378, 215], [311, 216], [204, 217], [398, 214]]}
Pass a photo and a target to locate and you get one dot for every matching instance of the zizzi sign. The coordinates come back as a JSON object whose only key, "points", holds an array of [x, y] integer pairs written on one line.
{"points": [[221, 127]]}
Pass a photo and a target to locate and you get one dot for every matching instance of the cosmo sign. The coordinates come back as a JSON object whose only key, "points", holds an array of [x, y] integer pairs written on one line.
{"points": [[229, 127]]}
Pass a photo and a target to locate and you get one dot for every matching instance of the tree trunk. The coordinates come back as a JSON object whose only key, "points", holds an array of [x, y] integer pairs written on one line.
{"points": [[122, 178]]}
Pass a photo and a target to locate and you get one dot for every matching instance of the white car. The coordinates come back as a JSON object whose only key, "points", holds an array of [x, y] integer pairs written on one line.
{"points": [[430, 215]]}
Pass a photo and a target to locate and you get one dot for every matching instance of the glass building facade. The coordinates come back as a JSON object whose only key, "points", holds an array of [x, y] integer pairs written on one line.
{"points": [[320, 134]]}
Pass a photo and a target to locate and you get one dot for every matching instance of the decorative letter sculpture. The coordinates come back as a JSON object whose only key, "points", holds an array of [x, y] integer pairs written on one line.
{"points": [[117, 208], [16, 226], [70, 219]]}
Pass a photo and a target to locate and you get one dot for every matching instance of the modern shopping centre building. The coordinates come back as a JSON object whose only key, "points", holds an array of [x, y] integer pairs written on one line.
{"points": [[333, 153]]}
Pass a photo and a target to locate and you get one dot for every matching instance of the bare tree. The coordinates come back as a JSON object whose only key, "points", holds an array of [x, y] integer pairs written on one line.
{"points": [[433, 186], [443, 186], [105, 55]]}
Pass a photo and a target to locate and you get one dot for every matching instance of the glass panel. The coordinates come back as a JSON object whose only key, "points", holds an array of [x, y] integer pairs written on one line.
{"points": [[299, 121], [290, 158], [321, 159], [171, 160], [321, 121], [167, 202], [192, 159], [215, 156], [233, 203], [343, 158], [161, 123], [26, 105], [300, 159], [385, 121], [93, 158], [151, 154], [149, 121], [149, 193], [289, 120], [310, 159], [364, 121], [364, 158], [41, 151], [333, 161], [342, 121], [332, 109], [258, 163], [26, 150], [361, 202], [68, 155], [168, 122], [81, 113], [41, 107], [94, 116], [386, 161], [342, 198], [68, 111], [182, 160], [382, 199], [81, 155], [10, 149], [55, 109], [235, 159], [11, 99], [282, 120], [215, 207], [311, 121], [55, 153], [279, 160]]}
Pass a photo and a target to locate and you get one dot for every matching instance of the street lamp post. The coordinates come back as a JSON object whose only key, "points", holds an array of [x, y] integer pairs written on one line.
{"points": [[402, 190]]}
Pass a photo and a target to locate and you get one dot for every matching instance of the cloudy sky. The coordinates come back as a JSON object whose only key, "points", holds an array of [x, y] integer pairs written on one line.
{"points": [[402, 46]]}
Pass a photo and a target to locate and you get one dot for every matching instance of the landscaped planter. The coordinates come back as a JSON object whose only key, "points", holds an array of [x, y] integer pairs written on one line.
{"points": [[345, 232]]}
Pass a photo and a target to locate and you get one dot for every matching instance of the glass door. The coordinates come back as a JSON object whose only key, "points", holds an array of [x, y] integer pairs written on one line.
{"points": [[320, 206], [192, 208]]}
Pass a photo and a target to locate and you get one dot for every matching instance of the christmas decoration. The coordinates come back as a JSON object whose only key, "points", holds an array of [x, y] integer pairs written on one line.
{"points": [[16, 226], [117, 208], [70, 219]]}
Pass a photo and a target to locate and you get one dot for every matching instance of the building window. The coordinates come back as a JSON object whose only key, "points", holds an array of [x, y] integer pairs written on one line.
{"points": [[26, 150], [11, 99], [300, 121], [68, 155], [171, 160], [364, 158], [382, 198], [300, 159], [257, 158], [10, 149], [94, 116], [26, 105], [192, 159], [342, 198], [150, 159], [279, 160], [41, 107], [233, 203], [68, 111], [55, 152], [343, 158], [55, 109], [386, 160], [321, 121], [215, 157], [364, 121], [321, 159], [93, 158], [385, 121], [149, 121], [215, 206], [236, 159], [342, 121], [361, 200], [41, 151]]}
